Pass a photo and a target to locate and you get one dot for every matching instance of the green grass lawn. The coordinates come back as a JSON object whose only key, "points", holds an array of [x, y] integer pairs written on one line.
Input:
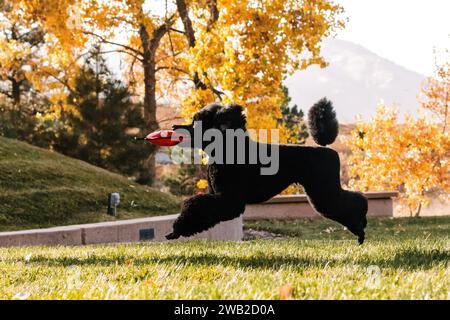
{"points": [[40, 188], [404, 258], [391, 229]]}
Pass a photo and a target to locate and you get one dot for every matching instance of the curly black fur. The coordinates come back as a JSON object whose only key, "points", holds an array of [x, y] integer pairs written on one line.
{"points": [[323, 125], [232, 186]]}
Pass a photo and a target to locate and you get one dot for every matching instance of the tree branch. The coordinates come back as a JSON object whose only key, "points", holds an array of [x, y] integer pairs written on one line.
{"points": [[187, 23], [218, 93], [121, 51], [143, 34], [171, 56], [189, 32], [64, 83], [137, 52], [190, 35], [214, 14], [171, 68], [159, 32], [176, 30], [131, 71]]}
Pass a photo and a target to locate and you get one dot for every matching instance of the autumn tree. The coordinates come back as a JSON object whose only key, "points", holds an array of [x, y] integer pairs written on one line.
{"points": [[435, 95], [20, 53], [194, 52], [412, 157]]}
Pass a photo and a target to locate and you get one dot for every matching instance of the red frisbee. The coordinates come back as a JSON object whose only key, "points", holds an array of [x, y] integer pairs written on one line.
{"points": [[165, 138]]}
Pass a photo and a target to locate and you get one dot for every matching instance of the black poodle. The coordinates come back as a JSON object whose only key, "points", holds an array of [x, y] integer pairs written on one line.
{"points": [[232, 186]]}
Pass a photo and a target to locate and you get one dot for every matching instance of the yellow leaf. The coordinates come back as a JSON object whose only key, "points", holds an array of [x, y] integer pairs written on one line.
{"points": [[202, 184]]}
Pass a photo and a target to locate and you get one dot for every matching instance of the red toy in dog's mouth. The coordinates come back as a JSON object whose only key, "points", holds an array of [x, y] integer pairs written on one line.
{"points": [[165, 138]]}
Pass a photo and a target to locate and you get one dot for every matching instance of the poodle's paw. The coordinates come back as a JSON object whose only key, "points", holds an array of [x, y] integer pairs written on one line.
{"points": [[359, 230], [357, 223], [361, 238], [172, 236], [357, 226]]}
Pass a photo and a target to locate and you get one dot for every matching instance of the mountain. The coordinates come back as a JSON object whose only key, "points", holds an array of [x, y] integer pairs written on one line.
{"points": [[355, 80]]}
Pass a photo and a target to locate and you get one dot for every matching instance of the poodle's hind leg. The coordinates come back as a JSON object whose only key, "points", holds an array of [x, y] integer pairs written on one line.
{"points": [[324, 191], [202, 212], [346, 207]]}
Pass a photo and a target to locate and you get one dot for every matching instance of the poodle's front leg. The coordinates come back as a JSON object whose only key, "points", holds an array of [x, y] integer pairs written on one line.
{"points": [[202, 212]]}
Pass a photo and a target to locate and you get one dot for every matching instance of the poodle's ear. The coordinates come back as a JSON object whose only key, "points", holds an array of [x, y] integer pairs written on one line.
{"points": [[231, 117]]}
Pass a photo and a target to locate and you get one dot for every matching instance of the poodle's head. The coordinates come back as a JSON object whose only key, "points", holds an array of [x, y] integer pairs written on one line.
{"points": [[214, 116]]}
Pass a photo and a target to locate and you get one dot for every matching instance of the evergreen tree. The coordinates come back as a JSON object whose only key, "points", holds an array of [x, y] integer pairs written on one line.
{"points": [[106, 119], [293, 120]]}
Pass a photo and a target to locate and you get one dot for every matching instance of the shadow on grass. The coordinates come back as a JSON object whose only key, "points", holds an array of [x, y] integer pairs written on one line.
{"points": [[410, 259]]}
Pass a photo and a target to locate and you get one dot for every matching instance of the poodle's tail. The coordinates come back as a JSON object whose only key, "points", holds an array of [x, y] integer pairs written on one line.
{"points": [[323, 124]]}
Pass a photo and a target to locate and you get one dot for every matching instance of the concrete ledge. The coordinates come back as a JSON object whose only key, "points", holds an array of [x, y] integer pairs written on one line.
{"points": [[59, 235], [303, 198], [133, 230], [155, 228], [297, 206]]}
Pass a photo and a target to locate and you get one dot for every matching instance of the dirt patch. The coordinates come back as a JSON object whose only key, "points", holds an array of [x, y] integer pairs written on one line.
{"points": [[252, 234]]}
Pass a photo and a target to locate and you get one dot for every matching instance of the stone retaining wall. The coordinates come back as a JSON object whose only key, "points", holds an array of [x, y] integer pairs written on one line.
{"points": [[133, 230], [155, 228], [297, 206]]}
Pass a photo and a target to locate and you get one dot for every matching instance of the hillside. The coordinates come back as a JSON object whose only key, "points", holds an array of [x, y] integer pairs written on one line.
{"points": [[40, 188]]}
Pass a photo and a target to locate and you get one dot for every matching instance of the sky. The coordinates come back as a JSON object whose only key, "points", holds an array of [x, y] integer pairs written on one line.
{"points": [[403, 31]]}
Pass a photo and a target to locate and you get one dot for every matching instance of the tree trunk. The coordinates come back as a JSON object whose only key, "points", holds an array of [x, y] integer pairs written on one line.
{"points": [[190, 35], [15, 90], [150, 94], [15, 93], [147, 175], [417, 213], [150, 45]]}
